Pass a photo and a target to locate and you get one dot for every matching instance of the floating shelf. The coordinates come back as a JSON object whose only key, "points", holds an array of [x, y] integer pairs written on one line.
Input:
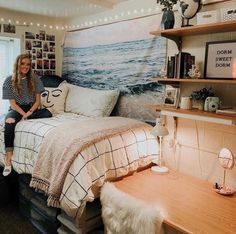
{"points": [[176, 34], [207, 81], [195, 114]]}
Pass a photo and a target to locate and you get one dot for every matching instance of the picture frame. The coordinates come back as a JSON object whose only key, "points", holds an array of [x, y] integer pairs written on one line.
{"points": [[220, 60], [171, 96], [9, 28]]}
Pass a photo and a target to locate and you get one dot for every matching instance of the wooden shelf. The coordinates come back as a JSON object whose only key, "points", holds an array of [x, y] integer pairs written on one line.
{"points": [[206, 81], [176, 34], [195, 114]]}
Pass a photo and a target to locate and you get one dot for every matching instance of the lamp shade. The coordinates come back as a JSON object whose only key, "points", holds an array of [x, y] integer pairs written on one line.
{"points": [[159, 129]]}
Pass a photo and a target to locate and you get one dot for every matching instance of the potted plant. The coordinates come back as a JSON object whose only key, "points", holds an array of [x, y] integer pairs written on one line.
{"points": [[199, 96], [168, 18]]}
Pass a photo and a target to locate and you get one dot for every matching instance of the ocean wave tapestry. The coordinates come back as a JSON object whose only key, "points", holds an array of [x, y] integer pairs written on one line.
{"points": [[120, 56]]}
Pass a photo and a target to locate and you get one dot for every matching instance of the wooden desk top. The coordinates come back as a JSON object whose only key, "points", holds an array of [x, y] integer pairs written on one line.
{"points": [[188, 204]]}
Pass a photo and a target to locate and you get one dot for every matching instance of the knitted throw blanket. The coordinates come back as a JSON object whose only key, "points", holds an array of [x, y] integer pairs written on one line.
{"points": [[62, 145]]}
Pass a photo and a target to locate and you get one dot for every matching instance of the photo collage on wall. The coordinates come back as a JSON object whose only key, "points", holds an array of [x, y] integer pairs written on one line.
{"points": [[41, 47]]}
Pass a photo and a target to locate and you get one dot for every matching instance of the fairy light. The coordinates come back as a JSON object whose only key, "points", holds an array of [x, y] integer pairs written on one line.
{"points": [[97, 21]]}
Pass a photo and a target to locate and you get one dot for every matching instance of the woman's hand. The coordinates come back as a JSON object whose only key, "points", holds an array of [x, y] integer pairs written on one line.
{"points": [[26, 115]]}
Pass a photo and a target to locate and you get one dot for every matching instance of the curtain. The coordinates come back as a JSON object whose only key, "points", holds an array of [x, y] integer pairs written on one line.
{"points": [[9, 49]]}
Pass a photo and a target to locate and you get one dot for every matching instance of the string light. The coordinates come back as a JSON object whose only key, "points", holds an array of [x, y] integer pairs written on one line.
{"points": [[85, 24]]}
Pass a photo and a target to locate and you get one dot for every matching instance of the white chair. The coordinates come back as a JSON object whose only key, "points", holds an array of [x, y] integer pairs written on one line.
{"points": [[124, 214]]}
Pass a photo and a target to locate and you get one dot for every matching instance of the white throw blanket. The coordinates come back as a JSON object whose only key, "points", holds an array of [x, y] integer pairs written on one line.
{"points": [[55, 157], [124, 214]]}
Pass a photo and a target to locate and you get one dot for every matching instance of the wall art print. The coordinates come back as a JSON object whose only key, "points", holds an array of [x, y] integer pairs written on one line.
{"points": [[120, 56]]}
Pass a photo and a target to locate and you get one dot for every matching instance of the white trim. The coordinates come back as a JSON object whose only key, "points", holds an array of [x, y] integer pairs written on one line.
{"points": [[198, 117]]}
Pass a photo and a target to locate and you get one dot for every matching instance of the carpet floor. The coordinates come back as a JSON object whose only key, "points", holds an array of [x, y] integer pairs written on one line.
{"points": [[12, 222]]}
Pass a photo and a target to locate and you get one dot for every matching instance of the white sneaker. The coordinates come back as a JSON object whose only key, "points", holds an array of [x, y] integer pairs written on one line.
{"points": [[6, 171]]}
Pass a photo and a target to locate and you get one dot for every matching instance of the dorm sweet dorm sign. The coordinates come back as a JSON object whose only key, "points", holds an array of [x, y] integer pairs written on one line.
{"points": [[220, 60]]}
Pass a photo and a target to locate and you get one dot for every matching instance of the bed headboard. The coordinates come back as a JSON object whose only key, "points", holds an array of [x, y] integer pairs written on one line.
{"points": [[51, 80]]}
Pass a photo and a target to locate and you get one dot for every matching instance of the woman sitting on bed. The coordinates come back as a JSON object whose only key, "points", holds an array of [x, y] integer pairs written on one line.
{"points": [[23, 90]]}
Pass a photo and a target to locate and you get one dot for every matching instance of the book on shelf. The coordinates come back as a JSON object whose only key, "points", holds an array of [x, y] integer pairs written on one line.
{"points": [[229, 112], [178, 65], [171, 67], [189, 60]]}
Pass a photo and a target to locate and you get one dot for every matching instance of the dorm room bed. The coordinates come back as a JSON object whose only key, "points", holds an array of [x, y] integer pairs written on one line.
{"points": [[69, 156]]}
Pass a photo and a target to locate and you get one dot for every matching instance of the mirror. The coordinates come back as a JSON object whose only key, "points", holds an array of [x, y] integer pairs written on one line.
{"points": [[226, 160], [188, 9]]}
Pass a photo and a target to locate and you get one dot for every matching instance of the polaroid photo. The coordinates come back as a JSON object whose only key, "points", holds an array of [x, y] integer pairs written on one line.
{"points": [[171, 97]]}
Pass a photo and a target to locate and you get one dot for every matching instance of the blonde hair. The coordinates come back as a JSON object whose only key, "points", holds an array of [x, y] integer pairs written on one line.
{"points": [[16, 79]]}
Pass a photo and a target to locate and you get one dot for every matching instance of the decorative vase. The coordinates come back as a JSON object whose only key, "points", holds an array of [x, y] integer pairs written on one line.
{"points": [[168, 19]]}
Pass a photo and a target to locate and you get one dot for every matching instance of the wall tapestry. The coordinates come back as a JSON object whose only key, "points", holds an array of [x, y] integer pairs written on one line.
{"points": [[120, 56]]}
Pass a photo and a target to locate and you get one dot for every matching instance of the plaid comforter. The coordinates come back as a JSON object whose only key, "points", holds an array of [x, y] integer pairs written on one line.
{"points": [[129, 150]]}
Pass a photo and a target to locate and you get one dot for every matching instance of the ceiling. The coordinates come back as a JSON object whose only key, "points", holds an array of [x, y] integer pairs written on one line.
{"points": [[59, 8]]}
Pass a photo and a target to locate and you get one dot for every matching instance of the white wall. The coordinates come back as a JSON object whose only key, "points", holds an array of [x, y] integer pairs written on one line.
{"points": [[21, 29]]}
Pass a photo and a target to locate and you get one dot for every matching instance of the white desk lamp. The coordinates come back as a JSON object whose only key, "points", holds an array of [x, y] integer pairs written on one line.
{"points": [[159, 131]]}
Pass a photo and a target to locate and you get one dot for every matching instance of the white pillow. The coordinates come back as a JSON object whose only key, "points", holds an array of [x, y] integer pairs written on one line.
{"points": [[90, 102], [54, 98]]}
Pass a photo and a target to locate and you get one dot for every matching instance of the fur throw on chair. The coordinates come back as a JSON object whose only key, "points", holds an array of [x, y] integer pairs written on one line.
{"points": [[124, 214]]}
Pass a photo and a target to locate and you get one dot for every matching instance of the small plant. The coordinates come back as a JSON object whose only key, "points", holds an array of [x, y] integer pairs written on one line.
{"points": [[202, 94], [168, 4]]}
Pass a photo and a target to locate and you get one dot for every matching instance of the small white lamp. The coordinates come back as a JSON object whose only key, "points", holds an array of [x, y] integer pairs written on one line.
{"points": [[159, 130]]}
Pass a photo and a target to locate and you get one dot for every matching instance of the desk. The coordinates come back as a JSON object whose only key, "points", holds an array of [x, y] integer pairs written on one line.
{"points": [[189, 204]]}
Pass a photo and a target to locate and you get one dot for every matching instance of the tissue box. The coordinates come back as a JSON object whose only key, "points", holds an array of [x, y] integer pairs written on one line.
{"points": [[208, 17], [228, 14]]}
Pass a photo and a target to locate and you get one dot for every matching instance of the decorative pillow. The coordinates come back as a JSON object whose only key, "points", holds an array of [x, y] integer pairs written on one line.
{"points": [[90, 102], [54, 98]]}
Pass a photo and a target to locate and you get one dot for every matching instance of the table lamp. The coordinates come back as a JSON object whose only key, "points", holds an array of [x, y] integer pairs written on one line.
{"points": [[159, 130]]}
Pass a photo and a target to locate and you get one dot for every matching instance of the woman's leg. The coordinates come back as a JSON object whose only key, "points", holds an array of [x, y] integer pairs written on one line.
{"points": [[11, 120], [41, 113]]}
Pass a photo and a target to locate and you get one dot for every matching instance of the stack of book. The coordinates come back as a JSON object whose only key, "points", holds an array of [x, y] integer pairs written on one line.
{"points": [[178, 65]]}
